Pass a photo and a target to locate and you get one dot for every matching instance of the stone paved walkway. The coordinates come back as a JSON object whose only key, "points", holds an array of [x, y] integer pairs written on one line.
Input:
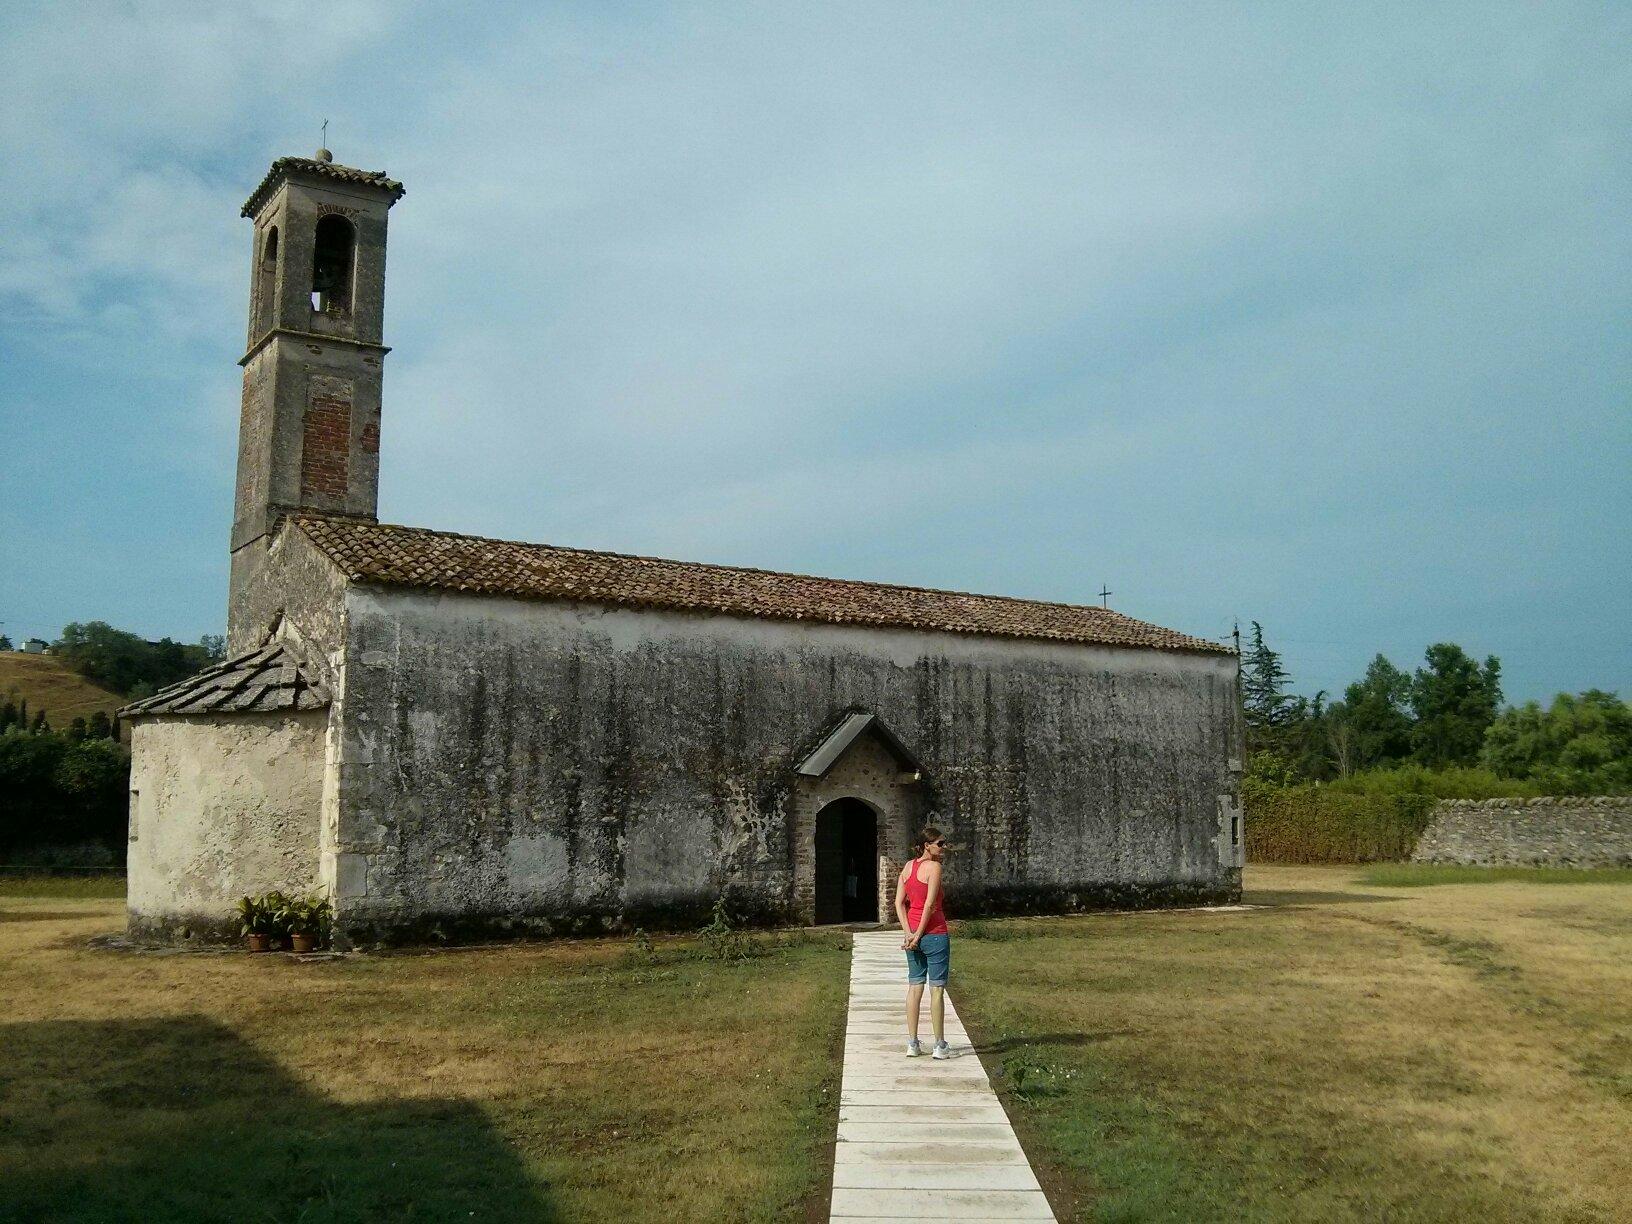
{"points": [[919, 1139]]}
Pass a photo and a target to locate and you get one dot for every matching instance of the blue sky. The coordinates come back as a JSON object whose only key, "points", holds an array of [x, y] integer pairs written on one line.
{"points": [[1314, 315]]}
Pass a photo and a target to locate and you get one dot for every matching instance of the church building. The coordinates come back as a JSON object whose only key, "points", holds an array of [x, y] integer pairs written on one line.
{"points": [[454, 737]]}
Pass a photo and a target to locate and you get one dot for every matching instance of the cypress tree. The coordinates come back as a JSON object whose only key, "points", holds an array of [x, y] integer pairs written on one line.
{"points": [[1263, 685]]}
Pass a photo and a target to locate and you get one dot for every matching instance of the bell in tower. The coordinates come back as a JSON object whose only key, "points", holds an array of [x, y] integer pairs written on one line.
{"points": [[309, 429]]}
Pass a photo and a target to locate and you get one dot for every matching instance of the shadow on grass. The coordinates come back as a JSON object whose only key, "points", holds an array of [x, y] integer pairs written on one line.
{"points": [[1302, 896], [1035, 1041], [179, 1119], [43, 915]]}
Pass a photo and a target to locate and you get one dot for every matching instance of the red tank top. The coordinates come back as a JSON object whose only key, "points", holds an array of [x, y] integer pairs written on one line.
{"points": [[917, 894]]}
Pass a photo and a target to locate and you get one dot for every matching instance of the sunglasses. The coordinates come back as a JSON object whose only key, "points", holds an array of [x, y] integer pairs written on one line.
{"points": [[938, 842]]}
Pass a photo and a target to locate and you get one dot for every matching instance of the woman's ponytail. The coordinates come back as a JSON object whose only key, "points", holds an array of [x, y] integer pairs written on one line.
{"points": [[927, 834]]}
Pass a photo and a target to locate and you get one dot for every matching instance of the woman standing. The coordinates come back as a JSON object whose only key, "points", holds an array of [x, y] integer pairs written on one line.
{"points": [[928, 945]]}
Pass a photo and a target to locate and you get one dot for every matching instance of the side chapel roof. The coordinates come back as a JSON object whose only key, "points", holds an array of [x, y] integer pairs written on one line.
{"points": [[438, 560], [268, 679]]}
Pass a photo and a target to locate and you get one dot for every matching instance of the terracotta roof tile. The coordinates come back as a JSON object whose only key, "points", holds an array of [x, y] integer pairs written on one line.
{"points": [[268, 679], [311, 165], [414, 557]]}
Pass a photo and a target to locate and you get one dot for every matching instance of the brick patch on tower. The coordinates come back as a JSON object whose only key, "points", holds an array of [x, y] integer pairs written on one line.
{"points": [[326, 442]]}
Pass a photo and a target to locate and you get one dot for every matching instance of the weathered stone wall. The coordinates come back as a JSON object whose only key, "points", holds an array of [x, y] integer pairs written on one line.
{"points": [[285, 579], [505, 765], [220, 806], [1554, 832]]}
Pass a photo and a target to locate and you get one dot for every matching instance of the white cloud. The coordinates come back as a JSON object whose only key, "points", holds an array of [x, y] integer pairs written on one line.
{"points": [[113, 122]]}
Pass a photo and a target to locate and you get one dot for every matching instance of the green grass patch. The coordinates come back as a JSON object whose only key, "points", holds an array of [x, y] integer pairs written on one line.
{"points": [[1421, 875], [80, 886], [1357, 1057], [996, 930]]}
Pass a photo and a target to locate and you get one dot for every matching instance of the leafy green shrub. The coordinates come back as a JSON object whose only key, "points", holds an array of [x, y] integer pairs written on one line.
{"points": [[723, 941], [56, 791], [1320, 824], [309, 915], [1457, 782], [264, 915]]}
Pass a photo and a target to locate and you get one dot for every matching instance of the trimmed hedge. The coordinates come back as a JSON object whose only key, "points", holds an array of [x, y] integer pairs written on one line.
{"points": [[1315, 824]]}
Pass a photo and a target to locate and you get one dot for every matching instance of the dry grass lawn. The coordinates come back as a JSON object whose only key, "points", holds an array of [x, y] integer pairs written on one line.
{"points": [[586, 1080], [1349, 1051], [52, 686], [1353, 1052]]}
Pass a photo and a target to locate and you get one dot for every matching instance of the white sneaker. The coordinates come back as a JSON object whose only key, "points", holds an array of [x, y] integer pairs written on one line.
{"points": [[914, 1048], [942, 1050]]}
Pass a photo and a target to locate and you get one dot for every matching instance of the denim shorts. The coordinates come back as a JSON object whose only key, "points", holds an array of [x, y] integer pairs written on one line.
{"points": [[930, 961]]}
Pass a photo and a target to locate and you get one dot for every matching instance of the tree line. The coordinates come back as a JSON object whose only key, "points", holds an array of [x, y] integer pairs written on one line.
{"points": [[64, 791], [1444, 716], [130, 665], [60, 788]]}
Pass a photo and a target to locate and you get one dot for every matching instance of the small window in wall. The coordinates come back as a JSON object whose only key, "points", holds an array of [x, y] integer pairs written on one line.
{"points": [[269, 252], [135, 801], [333, 249], [1235, 830]]}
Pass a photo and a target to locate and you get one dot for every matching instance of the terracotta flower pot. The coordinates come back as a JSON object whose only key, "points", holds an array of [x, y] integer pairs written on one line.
{"points": [[302, 943], [259, 943]]}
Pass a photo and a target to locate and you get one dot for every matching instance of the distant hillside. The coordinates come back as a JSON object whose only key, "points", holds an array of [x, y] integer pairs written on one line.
{"points": [[50, 685]]}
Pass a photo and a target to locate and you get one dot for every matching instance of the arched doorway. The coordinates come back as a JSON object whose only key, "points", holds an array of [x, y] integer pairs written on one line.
{"points": [[846, 862]]}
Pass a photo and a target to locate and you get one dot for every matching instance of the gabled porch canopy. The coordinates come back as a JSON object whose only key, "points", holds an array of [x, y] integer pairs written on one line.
{"points": [[849, 728]]}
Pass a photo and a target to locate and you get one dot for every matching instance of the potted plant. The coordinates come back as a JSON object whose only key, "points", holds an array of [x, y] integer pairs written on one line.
{"points": [[277, 902], [259, 922], [308, 921]]}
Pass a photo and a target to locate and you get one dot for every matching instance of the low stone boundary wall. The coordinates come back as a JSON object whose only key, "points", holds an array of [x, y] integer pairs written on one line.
{"points": [[1557, 832]]}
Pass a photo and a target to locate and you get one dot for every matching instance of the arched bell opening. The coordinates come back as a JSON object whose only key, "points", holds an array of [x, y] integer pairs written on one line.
{"points": [[334, 248], [263, 306]]}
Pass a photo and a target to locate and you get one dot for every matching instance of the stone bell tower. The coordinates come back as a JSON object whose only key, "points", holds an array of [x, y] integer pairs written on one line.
{"points": [[309, 434]]}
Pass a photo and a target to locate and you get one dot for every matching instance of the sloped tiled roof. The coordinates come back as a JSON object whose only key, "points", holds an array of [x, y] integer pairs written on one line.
{"points": [[266, 680], [326, 169], [438, 560]]}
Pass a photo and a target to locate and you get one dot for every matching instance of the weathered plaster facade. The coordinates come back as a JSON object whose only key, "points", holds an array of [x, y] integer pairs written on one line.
{"points": [[550, 766], [221, 807]]}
